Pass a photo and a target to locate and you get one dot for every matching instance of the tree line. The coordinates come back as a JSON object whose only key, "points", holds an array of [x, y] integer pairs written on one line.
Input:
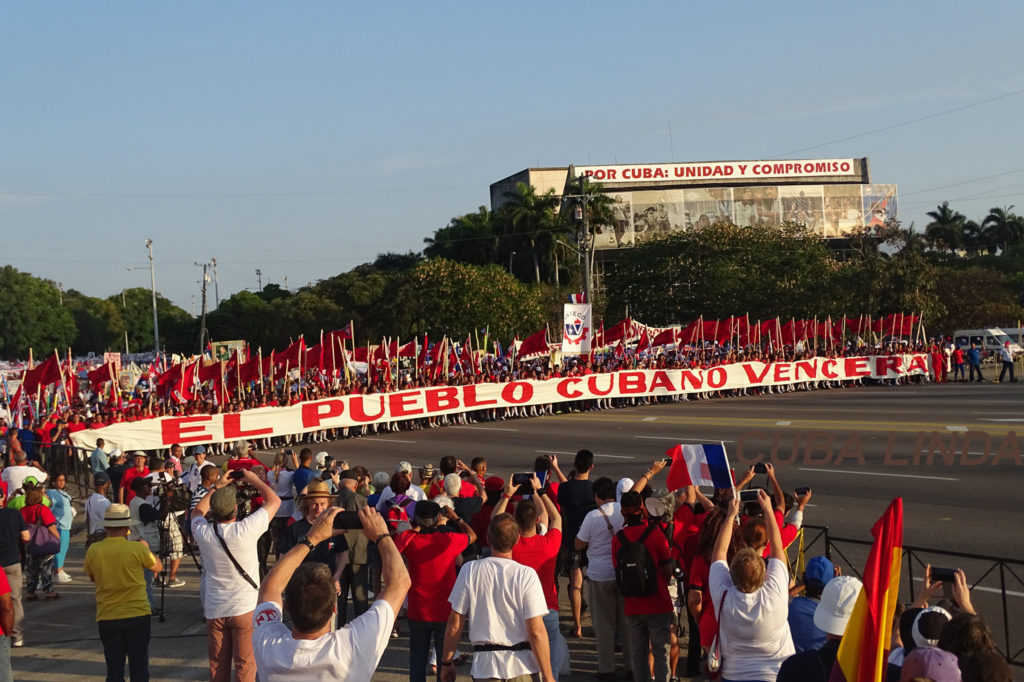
{"points": [[508, 272]]}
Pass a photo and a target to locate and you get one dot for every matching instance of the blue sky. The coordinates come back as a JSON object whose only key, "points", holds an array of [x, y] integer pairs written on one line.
{"points": [[304, 138]]}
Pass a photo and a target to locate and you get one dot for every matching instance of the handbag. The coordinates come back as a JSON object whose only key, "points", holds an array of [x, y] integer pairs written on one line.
{"points": [[41, 542], [713, 661]]}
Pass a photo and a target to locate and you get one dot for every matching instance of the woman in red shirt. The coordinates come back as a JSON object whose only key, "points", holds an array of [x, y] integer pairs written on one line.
{"points": [[39, 569]]}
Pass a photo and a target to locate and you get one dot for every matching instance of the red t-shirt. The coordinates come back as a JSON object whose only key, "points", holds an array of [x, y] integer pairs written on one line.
{"points": [[5, 588], [540, 552], [126, 482], [431, 559], [38, 513], [243, 463], [659, 601], [437, 488]]}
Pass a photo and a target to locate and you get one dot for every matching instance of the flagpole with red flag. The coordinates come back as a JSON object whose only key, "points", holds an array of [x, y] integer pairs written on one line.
{"points": [[863, 651]]}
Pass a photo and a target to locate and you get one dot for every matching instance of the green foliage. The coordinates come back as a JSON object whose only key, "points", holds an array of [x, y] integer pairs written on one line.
{"points": [[244, 315], [530, 224], [98, 322], [975, 297], [445, 297], [178, 330], [468, 238], [32, 315]]}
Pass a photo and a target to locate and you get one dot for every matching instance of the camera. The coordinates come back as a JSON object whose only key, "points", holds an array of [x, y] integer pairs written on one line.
{"points": [[749, 495], [175, 494], [347, 520], [802, 491], [760, 468], [245, 494]]}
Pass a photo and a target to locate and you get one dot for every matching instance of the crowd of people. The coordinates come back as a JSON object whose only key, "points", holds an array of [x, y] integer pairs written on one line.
{"points": [[672, 581], [53, 430]]}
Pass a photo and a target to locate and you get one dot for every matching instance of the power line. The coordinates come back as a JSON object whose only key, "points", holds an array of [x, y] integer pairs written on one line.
{"points": [[902, 124]]}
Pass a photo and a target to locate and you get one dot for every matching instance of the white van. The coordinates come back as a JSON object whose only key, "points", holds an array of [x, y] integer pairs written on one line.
{"points": [[1016, 335], [987, 340]]}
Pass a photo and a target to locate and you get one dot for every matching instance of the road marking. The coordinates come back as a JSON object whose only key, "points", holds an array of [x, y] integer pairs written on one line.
{"points": [[388, 440], [1015, 419], [783, 423], [686, 440], [649, 419], [481, 428], [956, 428], [877, 473], [557, 452]]}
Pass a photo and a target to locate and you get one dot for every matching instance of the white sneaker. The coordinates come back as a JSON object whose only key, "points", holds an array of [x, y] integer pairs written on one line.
{"points": [[63, 577]]}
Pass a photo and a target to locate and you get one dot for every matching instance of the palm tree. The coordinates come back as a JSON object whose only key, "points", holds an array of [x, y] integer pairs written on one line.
{"points": [[975, 240], [946, 230], [529, 217], [1002, 227], [468, 238]]}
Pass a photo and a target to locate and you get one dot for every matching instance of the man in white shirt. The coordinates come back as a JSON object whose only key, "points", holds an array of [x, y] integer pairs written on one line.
{"points": [[95, 508], [505, 605], [1006, 356], [414, 492], [310, 651], [193, 478], [228, 548], [14, 476], [606, 603]]}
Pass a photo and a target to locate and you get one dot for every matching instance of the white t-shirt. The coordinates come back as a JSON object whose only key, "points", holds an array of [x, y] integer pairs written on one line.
{"points": [[15, 476], [594, 531], [95, 509], [414, 492], [754, 627], [351, 653], [224, 591], [498, 596], [192, 479], [281, 482]]}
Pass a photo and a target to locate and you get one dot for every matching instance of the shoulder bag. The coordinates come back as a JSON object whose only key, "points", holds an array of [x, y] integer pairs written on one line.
{"points": [[713, 662], [238, 566]]}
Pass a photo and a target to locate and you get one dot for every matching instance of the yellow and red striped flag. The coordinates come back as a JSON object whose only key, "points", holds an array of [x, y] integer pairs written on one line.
{"points": [[863, 652]]}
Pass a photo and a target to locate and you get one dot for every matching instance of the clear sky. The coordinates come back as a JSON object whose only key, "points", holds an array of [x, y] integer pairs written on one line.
{"points": [[304, 138]]}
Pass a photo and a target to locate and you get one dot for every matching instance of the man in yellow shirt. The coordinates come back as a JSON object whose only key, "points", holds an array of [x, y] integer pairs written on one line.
{"points": [[122, 609]]}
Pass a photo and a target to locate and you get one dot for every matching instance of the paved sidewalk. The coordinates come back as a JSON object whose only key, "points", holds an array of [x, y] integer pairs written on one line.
{"points": [[62, 643]]}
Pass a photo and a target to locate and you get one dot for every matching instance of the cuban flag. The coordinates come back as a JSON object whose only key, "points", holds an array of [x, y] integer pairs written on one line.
{"points": [[578, 298], [702, 464]]}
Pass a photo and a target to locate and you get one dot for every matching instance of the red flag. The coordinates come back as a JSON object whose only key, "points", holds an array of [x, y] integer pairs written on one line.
{"points": [[534, 345], [863, 651], [663, 338], [643, 344]]}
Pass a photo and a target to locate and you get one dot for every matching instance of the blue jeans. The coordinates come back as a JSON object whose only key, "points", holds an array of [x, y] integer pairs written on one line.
{"points": [[420, 632], [149, 589], [556, 642], [126, 637]]}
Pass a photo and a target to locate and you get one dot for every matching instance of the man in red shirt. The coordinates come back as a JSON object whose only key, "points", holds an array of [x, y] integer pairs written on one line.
{"points": [[241, 458], [140, 470], [648, 617], [540, 552], [431, 556]]}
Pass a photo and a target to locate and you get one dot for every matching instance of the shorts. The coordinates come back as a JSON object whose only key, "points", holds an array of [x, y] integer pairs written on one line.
{"points": [[569, 560], [174, 548]]}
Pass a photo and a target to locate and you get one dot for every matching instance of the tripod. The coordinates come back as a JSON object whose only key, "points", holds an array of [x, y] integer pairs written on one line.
{"points": [[165, 551]]}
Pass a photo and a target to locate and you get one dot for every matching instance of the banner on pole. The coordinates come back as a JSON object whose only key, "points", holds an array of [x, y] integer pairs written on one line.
{"points": [[577, 330]]}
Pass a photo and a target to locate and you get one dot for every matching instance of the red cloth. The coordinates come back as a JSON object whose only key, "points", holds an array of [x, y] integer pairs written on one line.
{"points": [[243, 463], [540, 552], [38, 513], [431, 559], [698, 579], [5, 588], [656, 543], [437, 488]]}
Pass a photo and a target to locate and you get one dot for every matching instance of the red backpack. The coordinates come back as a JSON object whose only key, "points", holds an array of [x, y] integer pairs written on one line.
{"points": [[395, 511]]}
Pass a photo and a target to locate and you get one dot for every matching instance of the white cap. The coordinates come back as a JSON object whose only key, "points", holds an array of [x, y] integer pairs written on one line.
{"points": [[624, 485], [836, 605], [403, 468]]}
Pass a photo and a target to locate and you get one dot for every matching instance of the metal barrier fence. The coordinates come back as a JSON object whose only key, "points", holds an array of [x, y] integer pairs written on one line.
{"points": [[994, 581]]}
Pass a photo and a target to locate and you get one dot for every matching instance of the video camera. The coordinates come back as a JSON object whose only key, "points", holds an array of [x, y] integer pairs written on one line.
{"points": [[175, 494]]}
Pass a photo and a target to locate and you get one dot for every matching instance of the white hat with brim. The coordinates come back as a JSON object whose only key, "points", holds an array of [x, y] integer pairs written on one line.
{"points": [[836, 606], [117, 516]]}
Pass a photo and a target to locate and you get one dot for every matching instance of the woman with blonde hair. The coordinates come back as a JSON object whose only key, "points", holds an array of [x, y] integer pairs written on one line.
{"points": [[753, 602]]}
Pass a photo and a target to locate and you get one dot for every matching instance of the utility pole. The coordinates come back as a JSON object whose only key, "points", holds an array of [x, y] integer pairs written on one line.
{"points": [[583, 232], [286, 282], [202, 321], [152, 287], [259, 278], [216, 287]]}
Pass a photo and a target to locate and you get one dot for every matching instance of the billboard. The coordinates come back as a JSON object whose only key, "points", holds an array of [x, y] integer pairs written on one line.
{"points": [[830, 211], [719, 171]]}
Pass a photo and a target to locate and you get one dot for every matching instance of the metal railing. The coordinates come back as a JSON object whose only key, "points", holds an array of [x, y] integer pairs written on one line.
{"points": [[1007, 630]]}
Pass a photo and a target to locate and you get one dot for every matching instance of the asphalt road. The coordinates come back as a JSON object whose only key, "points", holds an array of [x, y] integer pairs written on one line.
{"points": [[950, 451], [957, 506]]}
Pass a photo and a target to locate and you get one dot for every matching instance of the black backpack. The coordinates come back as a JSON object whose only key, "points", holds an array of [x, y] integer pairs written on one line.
{"points": [[635, 572]]}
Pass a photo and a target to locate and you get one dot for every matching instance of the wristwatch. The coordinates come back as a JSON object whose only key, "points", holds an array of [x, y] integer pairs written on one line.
{"points": [[305, 541]]}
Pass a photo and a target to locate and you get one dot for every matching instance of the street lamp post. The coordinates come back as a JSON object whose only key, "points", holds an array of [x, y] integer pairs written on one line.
{"points": [[152, 286]]}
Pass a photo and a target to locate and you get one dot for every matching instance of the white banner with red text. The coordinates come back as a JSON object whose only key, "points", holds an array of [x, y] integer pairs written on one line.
{"points": [[360, 409]]}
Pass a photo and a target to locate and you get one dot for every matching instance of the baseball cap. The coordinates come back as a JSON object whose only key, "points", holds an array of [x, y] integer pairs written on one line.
{"points": [[930, 663], [819, 570], [929, 624], [199, 450], [223, 503], [624, 485], [348, 473], [100, 479], [403, 468], [836, 606], [494, 483]]}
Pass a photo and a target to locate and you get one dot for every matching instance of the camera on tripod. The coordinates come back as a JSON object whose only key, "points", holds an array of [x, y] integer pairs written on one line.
{"points": [[244, 493], [175, 494]]}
